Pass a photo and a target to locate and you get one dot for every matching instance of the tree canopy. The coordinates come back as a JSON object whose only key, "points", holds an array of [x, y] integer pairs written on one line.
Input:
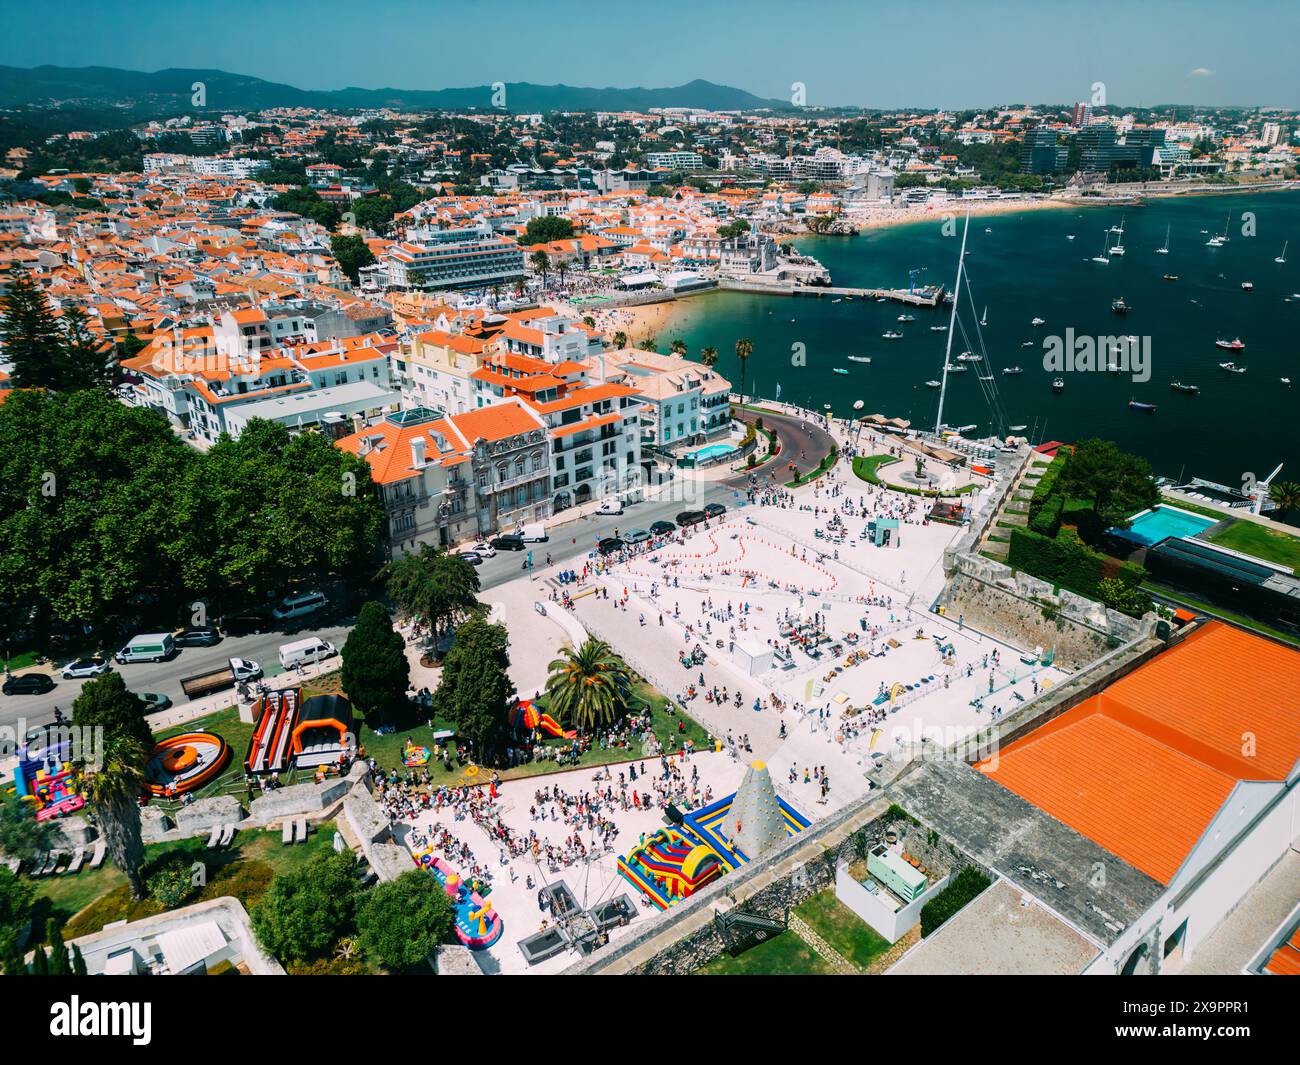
{"points": [[434, 587], [475, 688], [1116, 482], [375, 671], [306, 910], [402, 921]]}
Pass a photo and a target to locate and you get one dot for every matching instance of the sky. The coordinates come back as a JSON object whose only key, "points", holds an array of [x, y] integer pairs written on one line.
{"points": [[943, 53]]}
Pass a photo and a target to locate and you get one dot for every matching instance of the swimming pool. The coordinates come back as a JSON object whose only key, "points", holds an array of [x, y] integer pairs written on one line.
{"points": [[1152, 526], [712, 451]]}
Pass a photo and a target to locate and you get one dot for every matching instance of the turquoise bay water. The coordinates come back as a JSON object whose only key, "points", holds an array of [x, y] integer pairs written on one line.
{"points": [[1026, 268]]}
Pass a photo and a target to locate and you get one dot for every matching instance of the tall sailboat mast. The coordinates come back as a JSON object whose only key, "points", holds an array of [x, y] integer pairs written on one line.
{"points": [[952, 324]]}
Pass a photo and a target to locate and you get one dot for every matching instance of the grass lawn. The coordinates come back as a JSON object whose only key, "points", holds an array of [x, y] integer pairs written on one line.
{"points": [[843, 929], [784, 955], [1196, 508], [867, 468], [86, 902], [1262, 542]]}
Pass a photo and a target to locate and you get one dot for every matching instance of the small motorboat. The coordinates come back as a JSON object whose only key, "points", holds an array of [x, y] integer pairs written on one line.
{"points": [[1068, 236], [838, 369], [969, 356], [859, 358], [1230, 345], [907, 318], [1171, 277], [1020, 428], [1146, 408], [1012, 370], [938, 329], [1232, 367], [955, 367], [1038, 322], [1027, 344], [891, 334], [1285, 380], [987, 229], [1247, 286], [933, 384], [1178, 386], [1058, 384], [1119, 306]]}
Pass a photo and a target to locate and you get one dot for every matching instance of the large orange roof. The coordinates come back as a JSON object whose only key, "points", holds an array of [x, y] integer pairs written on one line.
{"points": [[1143, 767]]}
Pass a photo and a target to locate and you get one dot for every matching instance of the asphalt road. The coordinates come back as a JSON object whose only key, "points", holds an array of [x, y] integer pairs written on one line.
{"points": [[571, 540], [165, 677]]}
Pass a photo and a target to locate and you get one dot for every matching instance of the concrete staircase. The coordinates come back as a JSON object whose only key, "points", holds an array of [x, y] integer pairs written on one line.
{"points": [[1020, 495]]}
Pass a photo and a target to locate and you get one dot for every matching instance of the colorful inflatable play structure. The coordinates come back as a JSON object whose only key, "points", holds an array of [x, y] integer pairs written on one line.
{"points": [[414, 755], [524, 716], [669, 866], [674, 863], [268, 747], [184, 763], [478, 925], [46, 777]]}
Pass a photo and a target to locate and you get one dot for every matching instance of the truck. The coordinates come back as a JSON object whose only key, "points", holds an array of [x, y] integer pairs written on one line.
{"points": [[235, 671]]}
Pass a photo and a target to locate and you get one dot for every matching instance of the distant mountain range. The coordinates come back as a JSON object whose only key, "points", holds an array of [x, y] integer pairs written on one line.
{"points": [[169, 92]]}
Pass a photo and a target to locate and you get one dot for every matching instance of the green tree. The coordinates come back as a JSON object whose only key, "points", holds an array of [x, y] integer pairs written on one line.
{"points": [[744, 349], [401, 922], [30, 334], [16, 898], [709, 356], [305, 911], [1116, 482], [540, 262], [1285, 495], [619, 339], [546, 229], [434, 587], [60, 963], [21, 835], [78, 962], [588, 687], [678, 347], [475, 688], [113, 779], [375, 671], [351, 253]]}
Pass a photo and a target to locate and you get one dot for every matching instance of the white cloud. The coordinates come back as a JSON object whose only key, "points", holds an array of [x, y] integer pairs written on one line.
{"points": [[1202, 72]]}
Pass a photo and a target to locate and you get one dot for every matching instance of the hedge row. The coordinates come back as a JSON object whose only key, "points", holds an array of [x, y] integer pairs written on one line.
{"points": [[964, 887], [1046, 520], [1068, 562], [1046, 486]]}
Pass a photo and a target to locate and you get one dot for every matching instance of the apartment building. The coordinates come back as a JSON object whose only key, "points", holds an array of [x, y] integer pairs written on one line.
{"points": [[472, 257], [681, 401]]}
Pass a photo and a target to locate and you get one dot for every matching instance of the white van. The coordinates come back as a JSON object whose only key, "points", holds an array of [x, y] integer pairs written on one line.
{"points": [[312, 649], [535, 533], [299, 605], [147, 647]]}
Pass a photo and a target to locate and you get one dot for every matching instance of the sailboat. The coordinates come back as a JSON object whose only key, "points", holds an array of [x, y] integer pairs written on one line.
{"points": [[1220, 239], [1104, 257], [1118, 248], [1281, 259], [985, 319], [1165, 249]]}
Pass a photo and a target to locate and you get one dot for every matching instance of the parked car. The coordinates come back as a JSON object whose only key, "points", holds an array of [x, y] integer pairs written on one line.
{"points": [[636, 536], [484, 550], [662, 528], [610, 544], [687, 518], [472, 557], [86, 667], [147, 647], [508, 543], [714, 510], [197, 638], [28, 684], [244, 624], [299, 605], [154, 701], [610, 506]]}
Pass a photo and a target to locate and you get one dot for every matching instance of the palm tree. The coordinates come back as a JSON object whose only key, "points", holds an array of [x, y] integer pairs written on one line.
{"points": [[620, 339], [540, 262], [744, 349], [678, 347], [708, 356], [562, 268], [1285, 495], [113, 789], [590, 686]]}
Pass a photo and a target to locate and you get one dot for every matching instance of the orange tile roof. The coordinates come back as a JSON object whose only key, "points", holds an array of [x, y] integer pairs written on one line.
{"points": [[1143, 767]]}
